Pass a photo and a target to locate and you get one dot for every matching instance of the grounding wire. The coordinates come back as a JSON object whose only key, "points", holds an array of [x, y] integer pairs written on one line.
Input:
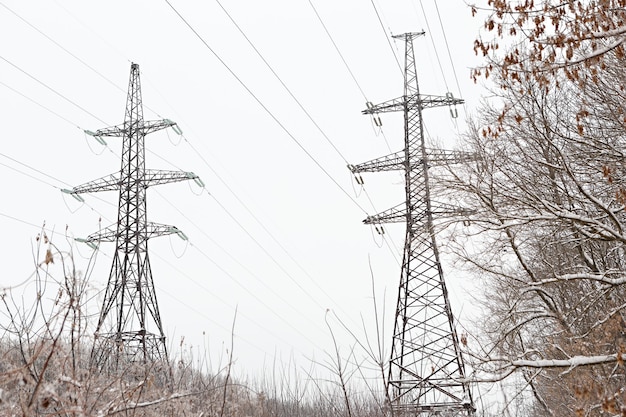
{"points": [[53, 90], [267, 110], [41, 32]]}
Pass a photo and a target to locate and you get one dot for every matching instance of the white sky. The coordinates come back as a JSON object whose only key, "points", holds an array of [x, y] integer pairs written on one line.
{"points": [[281, 291]]}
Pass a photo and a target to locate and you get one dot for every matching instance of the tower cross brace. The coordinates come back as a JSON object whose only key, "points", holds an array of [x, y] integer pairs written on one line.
{"points": [[129, 327], [426, 369]]}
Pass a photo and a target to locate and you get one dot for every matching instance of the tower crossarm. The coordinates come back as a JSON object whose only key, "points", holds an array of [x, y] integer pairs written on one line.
{"points": [[447, 157], [429, 101], [111, 233], [396, 104], [397, 161], [152, 177], [157, 229], [392, 162], [440, 210], [145, 126], [395, 214], [108, 234], [156, 177], [424, 101], [107, 183]]}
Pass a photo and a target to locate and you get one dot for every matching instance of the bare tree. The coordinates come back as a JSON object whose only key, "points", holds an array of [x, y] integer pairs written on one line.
{"points": [[547, 237]]}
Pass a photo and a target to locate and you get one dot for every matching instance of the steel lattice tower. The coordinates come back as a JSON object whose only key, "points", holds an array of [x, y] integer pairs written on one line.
{"points": [[130, 303], [426, 373]]}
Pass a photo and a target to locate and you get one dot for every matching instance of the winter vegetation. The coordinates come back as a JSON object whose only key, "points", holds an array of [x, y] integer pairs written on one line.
{"points": [[45, 367], [546, 189], [543, 233]]}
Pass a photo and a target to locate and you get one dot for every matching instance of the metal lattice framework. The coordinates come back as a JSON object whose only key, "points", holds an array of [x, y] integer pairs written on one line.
{"points": [[426, 374], [129, 328]]}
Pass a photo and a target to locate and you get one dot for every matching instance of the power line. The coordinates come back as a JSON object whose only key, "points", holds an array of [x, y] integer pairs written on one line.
{"points": [[282, 82], [243, 287], [445, 38], [268, 111], [432, 40], [39, 104], [338, 51], [62, 47], [274, 260], [387, 37], [304, 110], [52, 89]]}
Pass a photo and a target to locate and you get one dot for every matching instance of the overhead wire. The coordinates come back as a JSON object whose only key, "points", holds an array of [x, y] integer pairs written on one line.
{"points": [[432, 40], [166, 293], [318, 127], [265, 108], [276, 75], [237, 222], [337, 49], [387, 37], [445, 38], [319, 17], [39, 104], [62, 47], [244, 288], [52, 89]]}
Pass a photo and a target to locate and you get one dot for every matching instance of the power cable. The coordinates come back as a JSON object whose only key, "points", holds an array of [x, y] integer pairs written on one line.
{"points": [[300, 104], [33, 169], [268, 111], [53, 90], [445, 38], [39, 104], [256, 297], [387, 38], [8, 216], [103, 77], [63, 48], [271, 290], [337, 49], [283, 84], [243, 287], [432, 40]]}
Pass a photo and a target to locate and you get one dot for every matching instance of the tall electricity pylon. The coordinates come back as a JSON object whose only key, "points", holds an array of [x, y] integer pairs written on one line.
{"points": [[426, 372], [129, 328]]}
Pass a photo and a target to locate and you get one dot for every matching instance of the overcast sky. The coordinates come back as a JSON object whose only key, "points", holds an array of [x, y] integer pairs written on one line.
{"points": [[278, 232]]}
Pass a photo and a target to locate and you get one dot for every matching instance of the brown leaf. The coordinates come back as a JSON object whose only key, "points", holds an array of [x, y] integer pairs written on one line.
{"points": [[49, 258]]}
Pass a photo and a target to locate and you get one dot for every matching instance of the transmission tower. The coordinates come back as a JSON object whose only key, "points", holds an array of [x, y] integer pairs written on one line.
{"points": [[426, 373], [129, 328]]}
